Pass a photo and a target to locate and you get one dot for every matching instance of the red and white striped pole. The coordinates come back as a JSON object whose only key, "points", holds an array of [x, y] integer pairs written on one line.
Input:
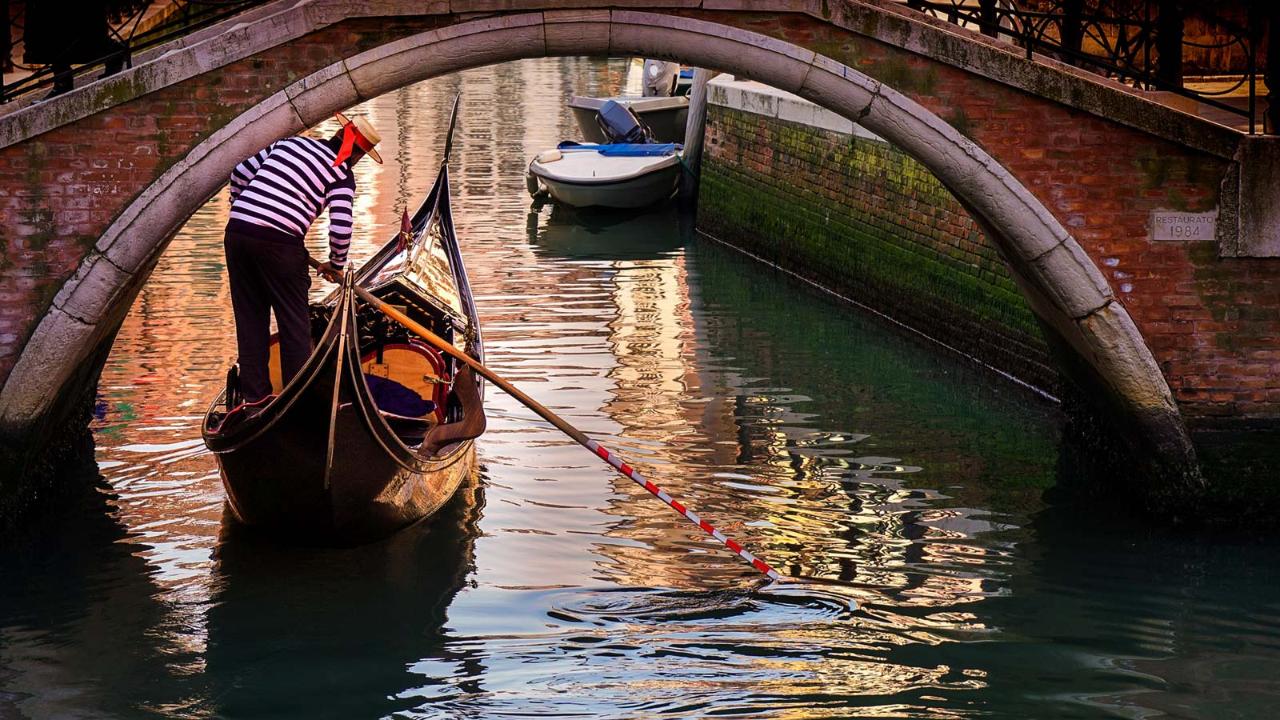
{"points": [[569, 430], [676, 505]]}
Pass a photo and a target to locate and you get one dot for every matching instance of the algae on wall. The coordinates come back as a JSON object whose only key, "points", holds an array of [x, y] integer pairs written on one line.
{"points": [[863, 219]]}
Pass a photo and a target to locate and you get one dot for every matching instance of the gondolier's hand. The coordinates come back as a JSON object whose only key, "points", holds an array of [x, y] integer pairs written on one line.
{"points": [[327, 271]]}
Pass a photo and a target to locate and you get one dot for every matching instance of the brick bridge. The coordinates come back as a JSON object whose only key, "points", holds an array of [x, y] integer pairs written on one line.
{"points": [[1062, 170]]}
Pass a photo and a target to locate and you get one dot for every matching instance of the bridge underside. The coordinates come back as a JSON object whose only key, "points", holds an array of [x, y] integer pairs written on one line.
{"points": [[291, 83]]}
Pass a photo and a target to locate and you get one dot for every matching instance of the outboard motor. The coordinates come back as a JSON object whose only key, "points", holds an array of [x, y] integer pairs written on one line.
{"points": [[620, 124], [660, 78]]}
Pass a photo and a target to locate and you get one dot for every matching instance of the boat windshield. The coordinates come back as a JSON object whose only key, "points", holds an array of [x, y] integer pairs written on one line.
{"points": [[425, 266]]}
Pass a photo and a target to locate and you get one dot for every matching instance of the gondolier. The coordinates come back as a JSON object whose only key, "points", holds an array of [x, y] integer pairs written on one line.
{"points": [[275, 197], [377, 430]]}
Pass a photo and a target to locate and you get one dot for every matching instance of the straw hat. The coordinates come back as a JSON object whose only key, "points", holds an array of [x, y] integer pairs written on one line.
{"points": [[366, 136]]}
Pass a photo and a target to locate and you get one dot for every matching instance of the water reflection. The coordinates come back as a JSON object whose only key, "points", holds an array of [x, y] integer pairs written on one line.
{"points": [[336, 629], [567, 233], [69, 595], [835, 448]]}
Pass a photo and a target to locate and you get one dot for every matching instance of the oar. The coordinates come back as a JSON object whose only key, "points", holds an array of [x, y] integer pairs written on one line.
{"points": [[776, 587], [612, 458]]}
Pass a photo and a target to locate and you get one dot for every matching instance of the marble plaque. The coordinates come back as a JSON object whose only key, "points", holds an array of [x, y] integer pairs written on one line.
{"points": [[1172, 226]]}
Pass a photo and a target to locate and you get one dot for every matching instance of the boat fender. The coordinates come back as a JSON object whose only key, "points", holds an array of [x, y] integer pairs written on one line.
{"points": [[548, 156]]}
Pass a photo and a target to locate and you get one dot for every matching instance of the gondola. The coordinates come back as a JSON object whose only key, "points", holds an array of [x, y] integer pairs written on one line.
{"points": [[362, 441]]}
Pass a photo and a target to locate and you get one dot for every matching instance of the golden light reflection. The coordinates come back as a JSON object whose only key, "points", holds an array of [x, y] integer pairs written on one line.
{"points": [[738, 459]]}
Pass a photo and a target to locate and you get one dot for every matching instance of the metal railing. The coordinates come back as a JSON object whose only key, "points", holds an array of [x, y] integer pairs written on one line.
{"points": [[126, 35], [1131, 41], [1138, 42]]}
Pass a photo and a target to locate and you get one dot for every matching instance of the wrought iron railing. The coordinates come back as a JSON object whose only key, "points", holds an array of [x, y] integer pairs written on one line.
{"points": [[127, 34], [1137, 42]]}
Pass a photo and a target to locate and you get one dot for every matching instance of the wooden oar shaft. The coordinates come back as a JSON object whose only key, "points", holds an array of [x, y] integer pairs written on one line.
{"points": [[488, 374], [599, 450]]}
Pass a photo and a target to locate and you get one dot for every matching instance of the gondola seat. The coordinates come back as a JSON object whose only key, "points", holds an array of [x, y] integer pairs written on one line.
{"points": [[406, 412], [396, 399], [409, 383]]}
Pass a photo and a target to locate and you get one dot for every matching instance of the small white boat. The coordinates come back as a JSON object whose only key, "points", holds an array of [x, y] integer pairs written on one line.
{"points": [[606, 176], [665, 116]]}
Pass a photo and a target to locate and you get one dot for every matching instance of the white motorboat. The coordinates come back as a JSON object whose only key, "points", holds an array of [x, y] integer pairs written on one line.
{"points": [[665, 116], [616, 176], [629, 171]]}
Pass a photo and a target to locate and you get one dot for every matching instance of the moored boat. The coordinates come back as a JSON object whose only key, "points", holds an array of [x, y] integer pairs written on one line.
{"points": [[665, 116], [629, 171], [615, 176], [376, 430]]}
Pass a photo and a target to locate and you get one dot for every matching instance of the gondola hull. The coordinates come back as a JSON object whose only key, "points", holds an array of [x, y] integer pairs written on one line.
{"points": [[325, 468], [295, 502], [301, 507]]}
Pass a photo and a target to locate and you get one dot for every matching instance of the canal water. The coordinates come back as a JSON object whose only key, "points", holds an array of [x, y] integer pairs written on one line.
{"points": [[829, 444]]}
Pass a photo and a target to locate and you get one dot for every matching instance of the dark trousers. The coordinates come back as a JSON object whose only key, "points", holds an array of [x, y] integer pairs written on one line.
{"points": [[268, 276]]}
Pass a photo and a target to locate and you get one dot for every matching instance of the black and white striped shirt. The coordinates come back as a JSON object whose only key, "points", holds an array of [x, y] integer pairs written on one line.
{"points": [[282, 189]]}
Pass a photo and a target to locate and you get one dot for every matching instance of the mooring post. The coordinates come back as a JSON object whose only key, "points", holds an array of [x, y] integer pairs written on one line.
{"points": [[1169, 34], [693, 130], [1271, 73]]}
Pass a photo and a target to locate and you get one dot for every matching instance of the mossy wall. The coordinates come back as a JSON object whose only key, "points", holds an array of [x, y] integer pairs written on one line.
{"points": [[861, 218]]}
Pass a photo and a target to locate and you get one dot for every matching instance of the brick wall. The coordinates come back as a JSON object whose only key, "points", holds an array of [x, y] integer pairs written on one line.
{"points": [[60, 190], [859, 217]]}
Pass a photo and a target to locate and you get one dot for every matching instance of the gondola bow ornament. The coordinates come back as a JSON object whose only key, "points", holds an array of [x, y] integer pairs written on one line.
{"points": [[406, 230]]}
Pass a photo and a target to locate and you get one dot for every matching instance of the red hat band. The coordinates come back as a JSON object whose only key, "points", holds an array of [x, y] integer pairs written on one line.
{"points": [[351, 137]]}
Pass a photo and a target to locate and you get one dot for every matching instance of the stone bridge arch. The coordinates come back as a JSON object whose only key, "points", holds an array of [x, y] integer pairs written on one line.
{"points": [[1063, 285]]}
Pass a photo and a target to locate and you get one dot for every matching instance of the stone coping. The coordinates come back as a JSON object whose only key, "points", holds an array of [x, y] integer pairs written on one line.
{"points": [[279, 22], [760, 99]]}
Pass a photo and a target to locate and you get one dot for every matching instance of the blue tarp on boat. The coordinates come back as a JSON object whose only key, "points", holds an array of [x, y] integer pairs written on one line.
{"points": [[625, 149]]}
